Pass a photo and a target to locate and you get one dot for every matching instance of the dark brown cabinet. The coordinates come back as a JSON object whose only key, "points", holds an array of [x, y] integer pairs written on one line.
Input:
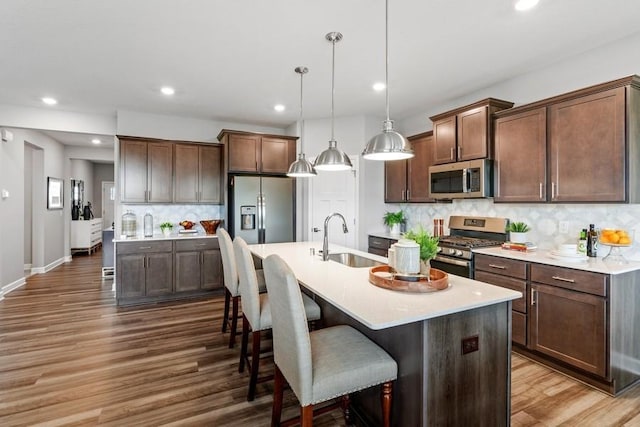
{"points": [[143, 269], [521, 157], [198, 265], [146, 171], [258, 153], [380, 245], [198, 174], [407, 180], [465, 133]]}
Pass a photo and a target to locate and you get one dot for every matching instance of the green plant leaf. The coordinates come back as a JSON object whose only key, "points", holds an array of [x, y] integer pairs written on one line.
{"points": [[428, 243]]}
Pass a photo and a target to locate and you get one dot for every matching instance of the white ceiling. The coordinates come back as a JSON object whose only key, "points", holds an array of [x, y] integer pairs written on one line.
{"points": [[233, 60]]}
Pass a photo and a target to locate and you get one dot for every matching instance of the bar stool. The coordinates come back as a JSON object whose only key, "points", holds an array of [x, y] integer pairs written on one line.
{"points": [[231, 289], [256, 313], [323, 364]]}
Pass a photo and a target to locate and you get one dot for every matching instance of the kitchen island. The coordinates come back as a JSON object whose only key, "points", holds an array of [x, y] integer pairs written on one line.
{"points": [[452, 346]]}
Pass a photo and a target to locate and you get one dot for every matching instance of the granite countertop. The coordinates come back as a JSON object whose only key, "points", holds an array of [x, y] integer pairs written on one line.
{"points": [[385, 235], [596, 265], [348, 288], [174, 236]]}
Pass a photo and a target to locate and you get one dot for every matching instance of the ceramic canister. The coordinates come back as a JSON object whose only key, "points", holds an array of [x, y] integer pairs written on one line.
{"points": [[407, 257], [391, 256]]}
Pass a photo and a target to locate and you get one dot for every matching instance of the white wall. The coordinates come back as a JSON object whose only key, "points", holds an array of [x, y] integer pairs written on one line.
{"points": [[101, 172]]}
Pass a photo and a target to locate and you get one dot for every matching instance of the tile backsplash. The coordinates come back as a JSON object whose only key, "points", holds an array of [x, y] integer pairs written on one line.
{"points": [[173, 213], [544, 219]]}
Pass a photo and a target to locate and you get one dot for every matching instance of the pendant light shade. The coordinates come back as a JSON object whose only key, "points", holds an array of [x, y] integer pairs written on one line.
{"points": [[388, 145], [301, 168], [333, 159]]}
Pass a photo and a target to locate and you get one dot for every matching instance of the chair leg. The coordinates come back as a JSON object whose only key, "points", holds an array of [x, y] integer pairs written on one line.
{"points": [[225, 317], [306, 416], [345, 402], [387, 388], [244, 343], [255, 365], [278, 391], [234, 320]]}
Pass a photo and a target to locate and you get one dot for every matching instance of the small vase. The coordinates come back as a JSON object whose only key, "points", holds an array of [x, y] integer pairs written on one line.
{"points": [[166, 232], [425, 267], [394, 229], [517, 237]]}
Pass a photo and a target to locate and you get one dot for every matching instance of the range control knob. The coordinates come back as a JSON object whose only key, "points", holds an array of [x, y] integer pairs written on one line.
{"points": [[458, 252]]}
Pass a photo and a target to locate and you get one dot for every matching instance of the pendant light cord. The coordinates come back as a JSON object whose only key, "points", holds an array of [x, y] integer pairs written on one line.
{"points": [[333, 85], [386, 55], [301, 117]]}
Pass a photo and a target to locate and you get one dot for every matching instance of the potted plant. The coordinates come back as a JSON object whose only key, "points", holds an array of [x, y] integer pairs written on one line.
{"points": [[166, 228], [428, 247], [394, 220], [518, 232]]}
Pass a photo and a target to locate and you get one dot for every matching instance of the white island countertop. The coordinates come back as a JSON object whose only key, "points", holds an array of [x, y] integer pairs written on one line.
{"points": [[348, 288]]}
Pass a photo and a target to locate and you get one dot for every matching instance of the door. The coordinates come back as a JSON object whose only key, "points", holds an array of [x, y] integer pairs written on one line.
{"points": [[278, 214], [186, 174], [133, 171], [334, 191], [395, 181], [108, 203], [472, 134], [160, 172], [245, 192], [210, 166]]}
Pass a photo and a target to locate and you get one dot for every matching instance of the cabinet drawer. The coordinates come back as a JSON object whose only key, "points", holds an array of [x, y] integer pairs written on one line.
{"points": [[512, 283], [378, 251], [143, 247], [578, 280], [501, 266], [519, 328], [196, 244], [380, 243]]}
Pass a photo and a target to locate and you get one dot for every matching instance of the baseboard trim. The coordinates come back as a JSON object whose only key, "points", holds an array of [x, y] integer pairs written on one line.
{"points": [[54, 264], [27, 266], [11, 287], [68, 258]]}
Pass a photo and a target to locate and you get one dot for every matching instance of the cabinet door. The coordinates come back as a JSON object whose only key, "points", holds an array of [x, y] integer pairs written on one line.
{"points": [[159, 274], [131, 275], [418, 170], [243, 153], [444, 140], [473, 134], [133, 171], [188, 271], [569, 326], [210, 167], [395, 181], [186, 174], [587, 143], [277, 154], [211, 269], [160, 172], [521, 156]]}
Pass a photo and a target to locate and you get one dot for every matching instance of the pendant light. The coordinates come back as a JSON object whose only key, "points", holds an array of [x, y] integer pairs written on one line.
{"points": [[333, 159], [301, 168], [388, 145]]}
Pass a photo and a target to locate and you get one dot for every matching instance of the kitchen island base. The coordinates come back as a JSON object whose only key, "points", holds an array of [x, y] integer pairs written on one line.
{"points": [[440, 380]]}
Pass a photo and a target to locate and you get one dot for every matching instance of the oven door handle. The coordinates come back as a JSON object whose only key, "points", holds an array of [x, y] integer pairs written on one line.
{"points": [[452, 261], [465, 180]]}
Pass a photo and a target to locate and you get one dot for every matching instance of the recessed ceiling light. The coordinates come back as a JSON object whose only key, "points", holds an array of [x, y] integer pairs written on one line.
{"points": [[379, 87], [525, 4], [167, 90], [96, 141], [49, 101], [279, 108]]}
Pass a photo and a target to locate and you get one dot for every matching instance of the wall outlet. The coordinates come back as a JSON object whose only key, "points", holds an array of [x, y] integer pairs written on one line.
{"points": [[563, 227], [470, 344]]}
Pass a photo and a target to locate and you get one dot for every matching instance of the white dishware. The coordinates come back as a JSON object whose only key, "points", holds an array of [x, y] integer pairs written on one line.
{"points": [[568, 249], [391, 256]]}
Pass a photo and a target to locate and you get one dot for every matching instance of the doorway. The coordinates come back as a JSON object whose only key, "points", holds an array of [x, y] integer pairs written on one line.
{"points": [[108, 203], [34, 195]]}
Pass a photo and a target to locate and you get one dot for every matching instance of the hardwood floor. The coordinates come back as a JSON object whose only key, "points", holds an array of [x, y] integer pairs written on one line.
{"points": [[69, 356]]}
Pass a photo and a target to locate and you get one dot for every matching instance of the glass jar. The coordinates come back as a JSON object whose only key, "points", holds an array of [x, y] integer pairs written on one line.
{"points": [[129, 227], [148, 225]]}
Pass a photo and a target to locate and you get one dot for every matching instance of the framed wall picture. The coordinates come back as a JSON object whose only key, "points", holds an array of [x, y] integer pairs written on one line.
{"points": [[55, 193]]}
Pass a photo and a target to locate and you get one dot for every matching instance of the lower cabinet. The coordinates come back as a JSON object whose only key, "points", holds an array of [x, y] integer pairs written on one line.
{"points": [[380, 245], [154, 271]]}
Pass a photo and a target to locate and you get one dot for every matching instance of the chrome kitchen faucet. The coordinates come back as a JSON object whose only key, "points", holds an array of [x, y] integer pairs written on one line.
{"points": [[325, 242]]}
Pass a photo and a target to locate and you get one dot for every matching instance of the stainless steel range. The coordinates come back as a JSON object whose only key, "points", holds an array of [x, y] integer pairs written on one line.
{"points": [[455, 254]]}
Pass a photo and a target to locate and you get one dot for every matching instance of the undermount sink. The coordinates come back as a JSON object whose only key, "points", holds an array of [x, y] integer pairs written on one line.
{"points": [[352, 260]]}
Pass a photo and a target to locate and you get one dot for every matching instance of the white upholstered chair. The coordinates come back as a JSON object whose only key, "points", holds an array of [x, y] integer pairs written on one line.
{"points": [[324, 364], [256, 312], [231, 286]]}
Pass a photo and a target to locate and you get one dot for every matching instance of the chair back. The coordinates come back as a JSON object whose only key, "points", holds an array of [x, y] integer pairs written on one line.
{"points": [[248, 283], [291, 342], [228, 261]]}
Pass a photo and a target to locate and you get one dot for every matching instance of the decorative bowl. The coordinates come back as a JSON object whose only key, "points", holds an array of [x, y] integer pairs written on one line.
{"points": [[188, 225], [210, 225]]}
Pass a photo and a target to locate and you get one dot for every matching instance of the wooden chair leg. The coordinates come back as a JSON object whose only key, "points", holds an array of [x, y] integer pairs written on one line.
{"points": [[278, 391], [387, 389], [235, 302], [255, 365], [306, 416], [244, 343], [225, 317], [345, 403]]}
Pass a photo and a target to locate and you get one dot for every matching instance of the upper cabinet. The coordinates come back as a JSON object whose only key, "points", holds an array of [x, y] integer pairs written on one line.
{"points": [[407, 180], [583, 146], [146, 171], [465, 133], [198, 173], [258, 153]]}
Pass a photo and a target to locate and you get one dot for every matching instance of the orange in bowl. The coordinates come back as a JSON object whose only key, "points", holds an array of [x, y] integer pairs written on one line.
{"points": [[610, 236]]}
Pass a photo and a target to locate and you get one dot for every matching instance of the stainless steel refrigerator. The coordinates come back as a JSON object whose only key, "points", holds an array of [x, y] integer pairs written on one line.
{"points": [[262, 208]]}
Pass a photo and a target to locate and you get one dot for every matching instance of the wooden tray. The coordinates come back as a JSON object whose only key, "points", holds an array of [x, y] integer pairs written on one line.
{"points": [[382, 276]]}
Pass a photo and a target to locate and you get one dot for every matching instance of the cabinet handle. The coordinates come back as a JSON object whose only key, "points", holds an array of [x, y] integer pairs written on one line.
{"points": [[501, 267], [201, 244], [144, 262], [533, 297], [540, 191], [407, 195], [562, 279], [145, 247], [451, 155], [553, 190], [459, 152]]}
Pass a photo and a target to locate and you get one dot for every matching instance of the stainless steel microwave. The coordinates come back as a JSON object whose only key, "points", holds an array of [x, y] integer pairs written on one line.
{"points": [[460, 180]]}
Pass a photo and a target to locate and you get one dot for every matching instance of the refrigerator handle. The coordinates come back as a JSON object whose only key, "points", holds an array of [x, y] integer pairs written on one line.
{"points": [[264, 219], [260, 204]]}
